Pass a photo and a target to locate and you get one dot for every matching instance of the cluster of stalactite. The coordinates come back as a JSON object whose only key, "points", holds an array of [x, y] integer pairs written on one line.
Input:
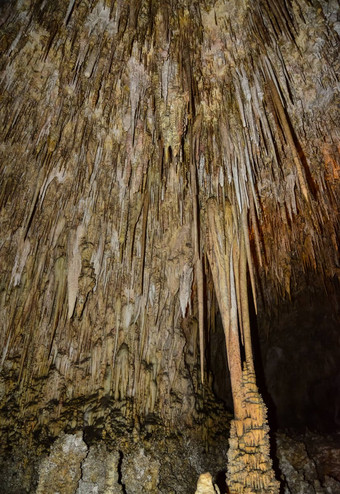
{"points": [[133, 134]]}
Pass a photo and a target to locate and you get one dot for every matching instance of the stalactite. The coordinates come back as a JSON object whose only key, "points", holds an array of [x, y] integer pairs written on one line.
{"points": [[139, 139], [288, 134], [198, 264]]}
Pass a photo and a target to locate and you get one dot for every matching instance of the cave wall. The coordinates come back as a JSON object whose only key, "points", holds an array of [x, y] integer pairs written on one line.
{"points": [[103, 108], [300, 354]]}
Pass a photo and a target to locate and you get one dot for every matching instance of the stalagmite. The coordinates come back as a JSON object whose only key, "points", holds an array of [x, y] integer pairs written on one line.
{"points": [[205, 485]]}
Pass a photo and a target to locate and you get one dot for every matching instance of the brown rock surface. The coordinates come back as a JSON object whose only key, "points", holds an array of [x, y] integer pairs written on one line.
{"points": [[121, 122]]}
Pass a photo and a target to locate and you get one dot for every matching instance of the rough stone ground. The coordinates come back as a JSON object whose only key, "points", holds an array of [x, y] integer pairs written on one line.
{"points": [[164, 464]]}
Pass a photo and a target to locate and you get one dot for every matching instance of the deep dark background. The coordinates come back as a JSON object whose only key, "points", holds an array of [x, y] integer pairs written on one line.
{"points": [[297, 358]]}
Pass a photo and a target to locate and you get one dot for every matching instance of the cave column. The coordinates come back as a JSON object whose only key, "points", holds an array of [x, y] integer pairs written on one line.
{"points": [[249, 464]]}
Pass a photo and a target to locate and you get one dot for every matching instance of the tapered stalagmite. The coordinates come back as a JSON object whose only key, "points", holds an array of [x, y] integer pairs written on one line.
{"points": [[139, 139]]}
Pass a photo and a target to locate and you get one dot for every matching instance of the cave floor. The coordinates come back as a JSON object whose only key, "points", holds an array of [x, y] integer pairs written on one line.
{"points": [[161, 462]]}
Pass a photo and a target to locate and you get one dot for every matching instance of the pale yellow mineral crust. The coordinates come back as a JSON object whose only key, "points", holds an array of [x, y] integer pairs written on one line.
{"points": [[205, 485]]}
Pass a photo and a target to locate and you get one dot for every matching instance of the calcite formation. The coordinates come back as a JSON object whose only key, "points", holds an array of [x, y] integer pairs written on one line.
{"points": [[61, 470], [249, 463], [205, 485], [156, 159]]}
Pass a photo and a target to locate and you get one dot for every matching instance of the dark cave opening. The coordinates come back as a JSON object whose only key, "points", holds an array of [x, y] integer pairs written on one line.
{"points": [[297, 361], [220, 481]]}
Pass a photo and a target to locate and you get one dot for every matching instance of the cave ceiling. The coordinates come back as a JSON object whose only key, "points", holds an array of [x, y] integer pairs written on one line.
{"points": [[123, 125]]}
